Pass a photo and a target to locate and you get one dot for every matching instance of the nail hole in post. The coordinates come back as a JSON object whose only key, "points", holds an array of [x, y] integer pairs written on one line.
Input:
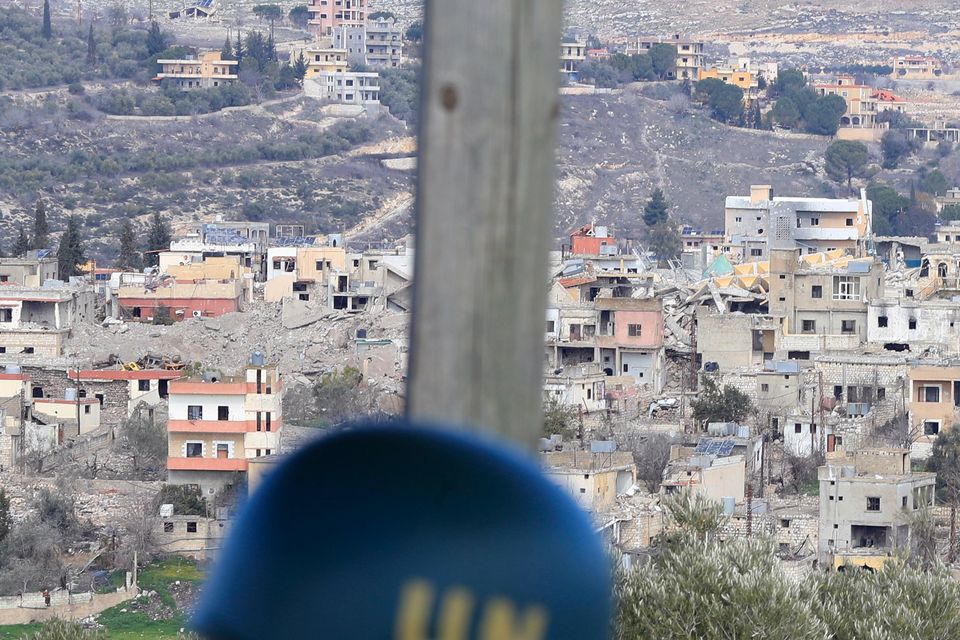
{"points": [[448, 97]]}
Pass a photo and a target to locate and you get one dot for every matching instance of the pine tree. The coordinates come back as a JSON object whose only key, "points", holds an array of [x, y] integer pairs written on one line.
{"points": [[4, 515], [46, 30], [91, 47], [130, 256], [300, 68], [226, 53], [271, 47], [913, 192], [655, 210], [158, 237], [41, 230], [22, 245], [238, 51], [70, 255], [156, 39]]}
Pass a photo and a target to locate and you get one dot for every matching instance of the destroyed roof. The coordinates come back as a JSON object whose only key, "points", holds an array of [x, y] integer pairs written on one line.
{"points": [[822, 205], [564, 461], [293, 241]]}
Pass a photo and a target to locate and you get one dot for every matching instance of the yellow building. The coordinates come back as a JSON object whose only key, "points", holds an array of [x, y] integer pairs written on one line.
{"points": [[743, 79], [202, 72], [861, 103], [322, 57]]}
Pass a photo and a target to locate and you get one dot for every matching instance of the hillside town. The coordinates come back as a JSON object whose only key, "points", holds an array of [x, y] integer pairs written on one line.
{"points": [[780, 358]]}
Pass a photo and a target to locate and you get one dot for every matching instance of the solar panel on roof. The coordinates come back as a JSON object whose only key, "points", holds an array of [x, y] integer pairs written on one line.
{"points": [[714, 447]]}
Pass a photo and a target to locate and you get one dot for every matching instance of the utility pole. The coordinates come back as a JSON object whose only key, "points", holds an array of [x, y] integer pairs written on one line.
{"points": [[484, 215]]}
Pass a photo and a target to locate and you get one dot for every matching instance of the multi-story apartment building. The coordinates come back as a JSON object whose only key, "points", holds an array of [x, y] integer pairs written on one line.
{"points": [[218, 423], [326, 15], [572, 55], [867, 504], [322, 59], [384, 43], [361, 88], [821, 307], [35, 321], [202, 72], [859, 98], [690, 55], [737, 77], [760, 221], [916, 68]]}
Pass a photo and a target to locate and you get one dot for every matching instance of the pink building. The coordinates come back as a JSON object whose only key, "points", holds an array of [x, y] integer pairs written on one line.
{"points": [[630, 338], [327, 15]]}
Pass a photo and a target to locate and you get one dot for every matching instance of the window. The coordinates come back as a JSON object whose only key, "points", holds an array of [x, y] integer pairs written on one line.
{"points": [[816, 291], [912, 324], [873, 504], [626, 367], [268, 421], [28, 350], [809, 326], [223, 413], [191, 527], [849, 222], [814, 222], [881, 321], [143, 385], [881, 393], [168, 527], [930, 393], [738, 219], [756, 253], [194, 412], [551, 326], [764, 387], [194, 449], [797, 428], [903, 502], [223, 450], [86, 408], [848, 326], [931, 428], [6, 315], [634, 330], [785, 523], [846, 288]]}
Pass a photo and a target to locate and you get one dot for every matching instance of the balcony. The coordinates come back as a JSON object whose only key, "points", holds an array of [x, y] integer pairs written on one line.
{"points": [[207, 464], [207, 426]]}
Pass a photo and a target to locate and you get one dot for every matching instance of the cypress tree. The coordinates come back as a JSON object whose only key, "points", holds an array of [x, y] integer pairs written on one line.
{"points": [[226, 53], [129, 257], [238, 51], [91, 47], [70, 255], [655, 210], [22, 245], [41, 230], [158, 237], [46, 30], [156, 39], [4, 515]]}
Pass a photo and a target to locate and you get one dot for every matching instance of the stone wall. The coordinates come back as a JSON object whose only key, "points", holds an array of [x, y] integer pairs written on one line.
{"points": [[44, 343], [32, 607], [54, 382]]}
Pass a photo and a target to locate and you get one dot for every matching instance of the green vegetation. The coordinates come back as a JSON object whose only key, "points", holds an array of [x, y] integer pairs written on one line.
{"points": [[716, 404], [895, 146], [159, 617], [935, 183], [170, 100], [70, 253], [698, 586], [950, 212], [400, 93], [299, 16], [662, 238], [30, 61], [798, 106], [846, 159], [559, 419], [654, 64], [888, 204], [655, 210], [725, 100]]}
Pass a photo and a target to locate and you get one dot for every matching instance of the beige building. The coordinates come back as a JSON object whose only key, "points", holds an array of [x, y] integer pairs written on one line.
{"points": [[867, 503], [35, 321], [593, 480], [30, 271], [934, 401], [861, 103], [204, 71], [822, 307], [713, 477], [322, 58], [572, 55], [916, 68], [690, 55], [84, 412], [753, 224]]}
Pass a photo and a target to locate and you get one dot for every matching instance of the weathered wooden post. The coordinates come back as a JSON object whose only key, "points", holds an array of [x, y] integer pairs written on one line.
{"points": [[489, 108]]}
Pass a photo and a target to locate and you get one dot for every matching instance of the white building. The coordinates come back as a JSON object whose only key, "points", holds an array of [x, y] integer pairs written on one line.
{"points": [[360, 88]]}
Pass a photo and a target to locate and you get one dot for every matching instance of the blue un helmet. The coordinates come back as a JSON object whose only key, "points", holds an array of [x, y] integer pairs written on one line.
{"points": [[405, 533]]}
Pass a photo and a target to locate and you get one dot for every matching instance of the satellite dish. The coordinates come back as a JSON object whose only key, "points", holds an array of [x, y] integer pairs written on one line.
{"points": [[381, 532]]}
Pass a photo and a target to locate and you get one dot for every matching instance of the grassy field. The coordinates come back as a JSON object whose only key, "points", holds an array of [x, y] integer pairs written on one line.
{"points": [[159, 617]]}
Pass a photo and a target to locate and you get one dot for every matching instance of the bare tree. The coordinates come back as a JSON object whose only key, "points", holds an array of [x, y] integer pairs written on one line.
{"points": [[801, 471], [140, 527], [651, 453], [145, 436]]}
